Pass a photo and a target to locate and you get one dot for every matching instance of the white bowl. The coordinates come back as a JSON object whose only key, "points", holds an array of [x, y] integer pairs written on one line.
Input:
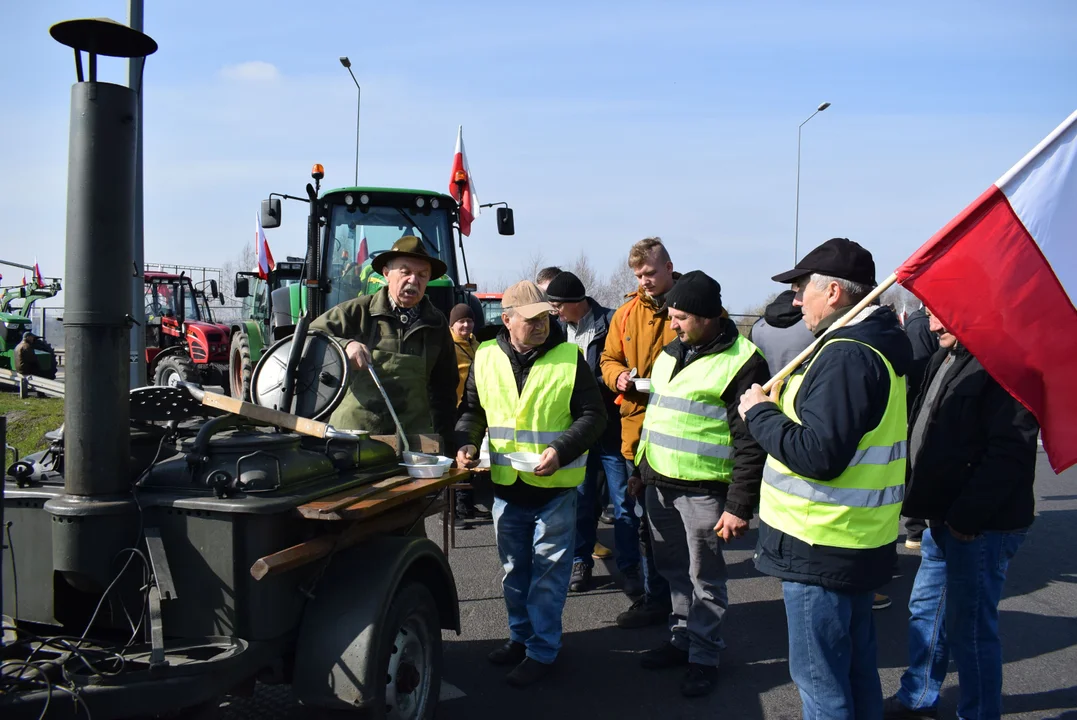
{"points": [[524, 461], [429, 471], [642, 384]]}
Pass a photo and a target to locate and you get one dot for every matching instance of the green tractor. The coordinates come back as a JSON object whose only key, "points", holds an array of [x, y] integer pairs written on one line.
{"points": [[346, 229], [270, 307], [16, 302]]}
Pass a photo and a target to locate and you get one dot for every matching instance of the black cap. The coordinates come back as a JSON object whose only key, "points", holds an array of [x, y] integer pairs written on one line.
{"points": [[696, 293], [565, 287], [837, 257], [459, 312]]}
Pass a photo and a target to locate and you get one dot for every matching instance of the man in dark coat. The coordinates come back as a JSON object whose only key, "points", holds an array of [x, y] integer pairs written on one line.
{"points": [[25, 358], [972, 454], [924, 344], [586, 323]]}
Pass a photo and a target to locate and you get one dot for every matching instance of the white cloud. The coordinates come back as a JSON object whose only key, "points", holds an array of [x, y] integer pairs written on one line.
{"points": [[253, 71]]}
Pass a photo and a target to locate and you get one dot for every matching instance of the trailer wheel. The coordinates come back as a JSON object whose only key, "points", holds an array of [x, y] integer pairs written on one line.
{"points": [[240, 366], [409, 655], [173, 369]]}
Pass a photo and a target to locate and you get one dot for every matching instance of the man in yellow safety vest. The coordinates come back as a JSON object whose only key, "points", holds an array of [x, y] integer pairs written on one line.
{"points": [[702, 471], [538, 397], [834, 480]]}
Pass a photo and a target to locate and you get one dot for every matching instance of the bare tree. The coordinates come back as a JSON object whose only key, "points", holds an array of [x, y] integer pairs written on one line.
{"points": [[245, 260], [583, 269], [620, 282], [748, 317]]}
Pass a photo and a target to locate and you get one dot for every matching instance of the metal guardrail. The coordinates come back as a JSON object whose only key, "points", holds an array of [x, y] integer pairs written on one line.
{"points": [[26, 384]]}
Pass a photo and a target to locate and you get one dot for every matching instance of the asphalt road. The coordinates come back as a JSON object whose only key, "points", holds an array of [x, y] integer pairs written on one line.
{"points": [[598, 675]]}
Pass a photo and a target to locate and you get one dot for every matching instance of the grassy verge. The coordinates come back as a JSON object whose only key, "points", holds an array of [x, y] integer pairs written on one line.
{"points": [[28, 421]]}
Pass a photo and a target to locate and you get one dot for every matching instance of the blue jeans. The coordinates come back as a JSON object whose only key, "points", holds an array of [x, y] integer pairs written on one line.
{"points": [[535, 547], [625, 522], [954, 608], [832, 652]]}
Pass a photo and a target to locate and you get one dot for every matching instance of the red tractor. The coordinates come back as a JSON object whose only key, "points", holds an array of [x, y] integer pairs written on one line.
{"points": [[182, 342]]}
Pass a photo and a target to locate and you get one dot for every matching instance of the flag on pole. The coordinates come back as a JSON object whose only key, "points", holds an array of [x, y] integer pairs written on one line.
{"points": [[261, 245], [24, 279], [363, 252], [37, 275], [1002, 277], [462, 186]]}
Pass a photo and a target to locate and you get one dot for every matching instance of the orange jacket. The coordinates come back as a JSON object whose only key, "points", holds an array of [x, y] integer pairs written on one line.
{"points": [[638, 332], [465, 355]]}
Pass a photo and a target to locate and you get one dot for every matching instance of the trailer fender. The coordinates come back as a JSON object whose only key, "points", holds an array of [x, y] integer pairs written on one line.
{"points": [[335, 664]]}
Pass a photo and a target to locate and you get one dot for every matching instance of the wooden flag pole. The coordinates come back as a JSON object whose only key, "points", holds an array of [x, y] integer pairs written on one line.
{"points": [[841, 322]]}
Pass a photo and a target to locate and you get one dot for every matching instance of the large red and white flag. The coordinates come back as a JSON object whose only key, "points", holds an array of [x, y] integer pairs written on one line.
{"points": [[261, 245], [1002, 277], [462, 186]]}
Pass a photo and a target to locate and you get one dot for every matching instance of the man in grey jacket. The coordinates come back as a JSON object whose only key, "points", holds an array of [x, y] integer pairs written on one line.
{"points": [[781, 333]]}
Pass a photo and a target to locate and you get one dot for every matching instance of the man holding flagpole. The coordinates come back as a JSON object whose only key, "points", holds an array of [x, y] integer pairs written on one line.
{"points": [[834, 479]]}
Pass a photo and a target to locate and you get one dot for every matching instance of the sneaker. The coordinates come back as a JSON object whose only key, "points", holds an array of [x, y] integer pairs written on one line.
{"points": [[665, 656], [642, 613], [633, 583], [881, 602], [893, 709], [528, 672], [601, 552], [511, 653], [606, 518], [699, 680], [912, 544], [581, 577], [481, 514]]}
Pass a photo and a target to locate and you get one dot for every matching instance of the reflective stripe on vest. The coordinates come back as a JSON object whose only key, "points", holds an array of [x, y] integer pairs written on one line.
{"points": [[685, 432], [530, 421], [860, 508]]}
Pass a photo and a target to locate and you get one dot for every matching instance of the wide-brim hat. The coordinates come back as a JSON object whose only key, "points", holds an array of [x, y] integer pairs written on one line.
{"points": [[409, 246]]}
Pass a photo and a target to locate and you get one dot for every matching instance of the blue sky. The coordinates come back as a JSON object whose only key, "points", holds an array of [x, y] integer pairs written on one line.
{"points": [[600, 123]]}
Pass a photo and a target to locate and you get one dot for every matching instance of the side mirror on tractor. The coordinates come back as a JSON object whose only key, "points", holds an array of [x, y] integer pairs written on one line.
{"points": [[214, 291], [505, 224], [270, 213], [242, 287]]}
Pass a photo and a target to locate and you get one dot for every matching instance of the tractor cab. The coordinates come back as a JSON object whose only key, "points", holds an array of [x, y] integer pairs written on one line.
{"points": [[182, 341]]}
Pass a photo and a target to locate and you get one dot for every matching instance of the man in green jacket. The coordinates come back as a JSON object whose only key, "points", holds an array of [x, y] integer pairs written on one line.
{"points": [[399, 332]]}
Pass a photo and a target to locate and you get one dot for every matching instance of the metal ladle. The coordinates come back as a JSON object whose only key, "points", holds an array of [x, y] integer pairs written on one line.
{"points": [[410, 458]]}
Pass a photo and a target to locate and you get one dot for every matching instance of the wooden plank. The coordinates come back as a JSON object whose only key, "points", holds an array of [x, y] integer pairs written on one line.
{"points": [[317, 548], [366, 491], [284, 420], [374, 504]]}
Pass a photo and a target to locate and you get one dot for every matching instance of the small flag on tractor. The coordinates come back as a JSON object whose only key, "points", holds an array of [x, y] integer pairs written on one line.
{"points": [[462, 186], [261, 246], [37, 274], [363, 252]]}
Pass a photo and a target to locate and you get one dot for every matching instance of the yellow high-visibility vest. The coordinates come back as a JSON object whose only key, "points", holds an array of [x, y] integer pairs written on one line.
{"points": [[531, 420], [685, 432], [860, 508]]}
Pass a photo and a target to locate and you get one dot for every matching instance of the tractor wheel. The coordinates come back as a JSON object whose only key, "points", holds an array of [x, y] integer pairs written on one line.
{"points": [[174, 369], [240, 366]]}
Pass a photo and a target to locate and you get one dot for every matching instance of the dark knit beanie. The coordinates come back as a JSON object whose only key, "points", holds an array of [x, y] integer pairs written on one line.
{"points": [[566, 287], [459, 312], [696, 293]]}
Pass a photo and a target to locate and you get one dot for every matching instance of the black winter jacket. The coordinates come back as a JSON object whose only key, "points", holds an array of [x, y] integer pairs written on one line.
{"points": [[924, 344], [742, 494], [976, 466], [588, 415], [842, 397], [601, 317]]}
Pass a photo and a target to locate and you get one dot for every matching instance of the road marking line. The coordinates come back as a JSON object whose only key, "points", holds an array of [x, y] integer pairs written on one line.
{"points": [[450, 692]]}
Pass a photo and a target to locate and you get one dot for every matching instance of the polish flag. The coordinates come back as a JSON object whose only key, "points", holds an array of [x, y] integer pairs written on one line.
{"points": [[1002, 277], [363, 252], [265, 257], [462, 186], [37, 275]]}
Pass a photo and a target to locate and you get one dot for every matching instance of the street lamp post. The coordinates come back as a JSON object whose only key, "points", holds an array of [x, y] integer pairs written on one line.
{"points": [[358, 104], [796, 222]]}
